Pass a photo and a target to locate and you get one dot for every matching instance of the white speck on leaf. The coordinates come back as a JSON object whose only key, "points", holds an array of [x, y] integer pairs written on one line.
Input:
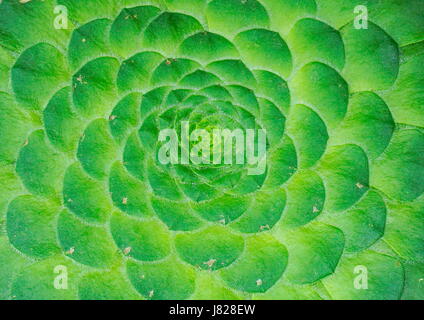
{"points": [[80, 79], [210, 263]]}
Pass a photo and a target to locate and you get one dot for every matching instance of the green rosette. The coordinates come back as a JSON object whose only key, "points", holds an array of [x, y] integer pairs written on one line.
{"points": [[88, 212]]}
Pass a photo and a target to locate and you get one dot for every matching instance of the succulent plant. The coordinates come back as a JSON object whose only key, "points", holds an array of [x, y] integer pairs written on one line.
{"points": [[85, 203]]}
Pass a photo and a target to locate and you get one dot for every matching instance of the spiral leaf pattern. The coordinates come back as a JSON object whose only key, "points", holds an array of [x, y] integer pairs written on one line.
{"points": [[82, 188]]}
